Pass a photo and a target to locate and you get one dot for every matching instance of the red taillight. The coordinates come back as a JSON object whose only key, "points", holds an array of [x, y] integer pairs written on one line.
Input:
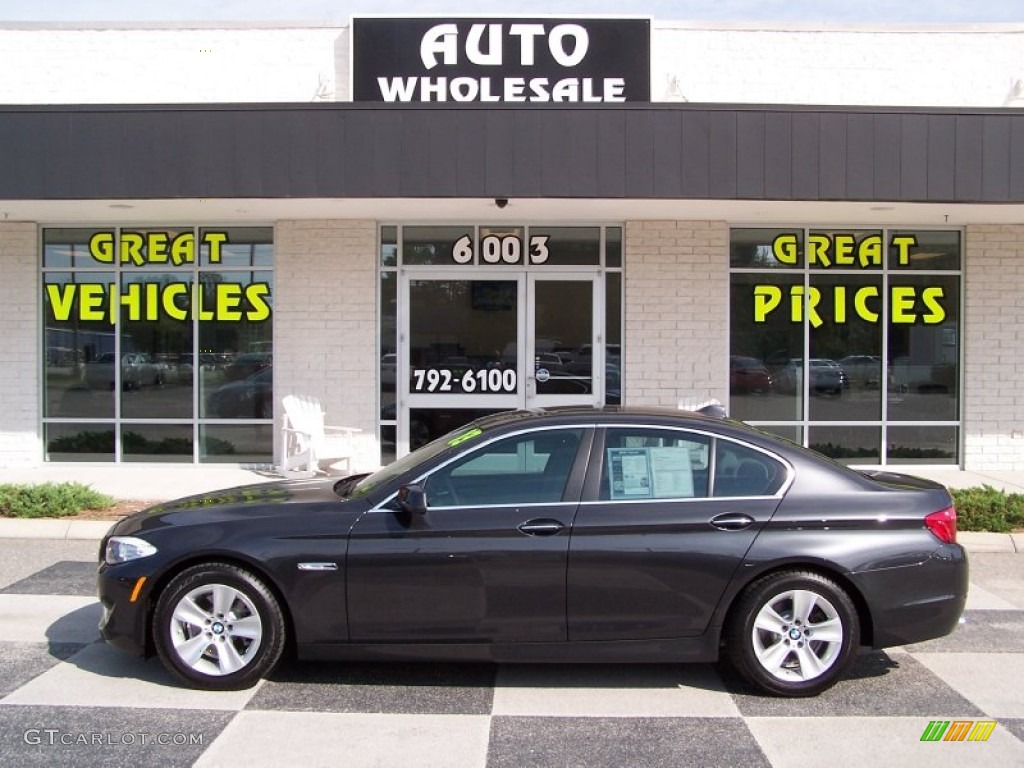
{"points": [[943, 524]]}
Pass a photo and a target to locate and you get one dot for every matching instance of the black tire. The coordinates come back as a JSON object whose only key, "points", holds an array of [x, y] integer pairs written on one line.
{"points": [[784, 661], [224, 647]]}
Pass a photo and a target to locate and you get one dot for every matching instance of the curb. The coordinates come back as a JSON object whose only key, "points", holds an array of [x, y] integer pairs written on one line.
{"points": [[66, 530], [974, 542]]}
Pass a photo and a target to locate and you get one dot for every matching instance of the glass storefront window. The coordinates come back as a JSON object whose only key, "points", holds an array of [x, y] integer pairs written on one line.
{"points": [[845, 361], [925, 250], [79, 345], [388, 246], [613, 247], [79, 442], [163, 328], [432, 245], [858, 335], [923, 351], [569, 246], [766, 249], [922, 445], [847, 445], [766, 349]]}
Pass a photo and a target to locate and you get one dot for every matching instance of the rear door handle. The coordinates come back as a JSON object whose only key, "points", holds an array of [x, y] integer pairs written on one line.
{"points": [[540, 527], [732, 521]]}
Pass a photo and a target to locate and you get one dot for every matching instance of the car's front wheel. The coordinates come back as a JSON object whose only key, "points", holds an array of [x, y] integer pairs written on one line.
{"points": [[218, 626], [793, 633]]}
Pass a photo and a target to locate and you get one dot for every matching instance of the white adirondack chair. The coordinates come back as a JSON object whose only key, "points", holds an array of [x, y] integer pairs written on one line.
{"points": [[308, 445]]}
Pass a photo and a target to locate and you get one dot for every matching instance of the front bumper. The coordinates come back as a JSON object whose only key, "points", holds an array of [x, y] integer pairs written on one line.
{"points": [[124, 623]]}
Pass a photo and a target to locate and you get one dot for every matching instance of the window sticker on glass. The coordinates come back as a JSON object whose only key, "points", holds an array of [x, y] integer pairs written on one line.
{"points": [[644, 473], [629, 470]]}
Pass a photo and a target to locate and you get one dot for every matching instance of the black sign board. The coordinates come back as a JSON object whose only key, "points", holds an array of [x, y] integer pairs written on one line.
{"points": [[518, 60]]}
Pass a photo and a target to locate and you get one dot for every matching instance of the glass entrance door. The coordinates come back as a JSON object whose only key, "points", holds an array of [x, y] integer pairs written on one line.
{"points": [[473, 345], [565, 361]]}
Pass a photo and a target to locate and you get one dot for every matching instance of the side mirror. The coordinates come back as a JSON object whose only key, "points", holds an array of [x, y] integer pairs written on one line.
{"points": [[413, 499]]}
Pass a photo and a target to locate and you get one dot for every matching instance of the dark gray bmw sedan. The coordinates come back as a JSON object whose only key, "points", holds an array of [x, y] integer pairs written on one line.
{"points": [[573, 535]]}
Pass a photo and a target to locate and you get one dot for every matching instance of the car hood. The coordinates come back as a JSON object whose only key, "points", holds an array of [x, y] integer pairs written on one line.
{"points": [[285, 497]]}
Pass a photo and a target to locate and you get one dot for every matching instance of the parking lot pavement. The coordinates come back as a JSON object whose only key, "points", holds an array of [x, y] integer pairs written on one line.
{"points": [[68, 699]]}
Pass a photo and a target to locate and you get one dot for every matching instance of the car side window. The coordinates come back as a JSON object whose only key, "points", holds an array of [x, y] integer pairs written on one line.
{"points": [[652, 463], [742, 471], [532, 468]]}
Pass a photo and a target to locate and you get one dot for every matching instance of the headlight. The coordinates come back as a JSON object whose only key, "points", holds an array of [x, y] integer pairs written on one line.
{"points": [[121, 549]]}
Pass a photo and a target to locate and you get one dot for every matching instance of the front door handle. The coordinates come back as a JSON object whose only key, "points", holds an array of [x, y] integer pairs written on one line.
{"points": [[731, 521], [540, 527]]}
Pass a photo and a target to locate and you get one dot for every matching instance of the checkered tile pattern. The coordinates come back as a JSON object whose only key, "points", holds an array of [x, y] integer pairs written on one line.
{"points": [[68, 699]]}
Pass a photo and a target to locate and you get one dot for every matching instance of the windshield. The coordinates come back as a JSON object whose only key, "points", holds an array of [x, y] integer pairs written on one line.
{"points": [[408, 462]]}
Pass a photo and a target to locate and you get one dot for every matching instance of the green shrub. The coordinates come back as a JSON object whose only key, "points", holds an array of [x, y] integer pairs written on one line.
{"points": [[50, 500], [988, 509]]}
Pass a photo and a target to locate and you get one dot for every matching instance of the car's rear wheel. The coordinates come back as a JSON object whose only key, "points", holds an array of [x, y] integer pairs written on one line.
{"points": [[218, 626], [793, 633]]}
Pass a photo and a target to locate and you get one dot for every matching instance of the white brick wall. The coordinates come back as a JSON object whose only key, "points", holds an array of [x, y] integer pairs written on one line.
{"points": [[799, 64], [677, 311], [173, 65], [20, 442], [794, 64], [994, 348], [325, 322]]}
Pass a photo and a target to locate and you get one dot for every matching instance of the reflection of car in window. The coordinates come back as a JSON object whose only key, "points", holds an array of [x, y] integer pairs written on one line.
{"points": [[864, 371], [137, 371], [250, 398], [825, 376], [246, 365], [748, 374]]}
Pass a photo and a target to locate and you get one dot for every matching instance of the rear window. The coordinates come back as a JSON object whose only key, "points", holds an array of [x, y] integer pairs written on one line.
{"points": [[742, 471]]}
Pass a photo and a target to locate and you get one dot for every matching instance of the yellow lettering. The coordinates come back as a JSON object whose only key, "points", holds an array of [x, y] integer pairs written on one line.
{"points": [[870, 251], [131, 249], [215, 240], [171, 292], [152, 301], [903, 245], [785, 249], [131, 298], [229, 297], [101, 247], [796, 303], [903, 304], [156, 247], [840, 303], [199, 291], [183, 249], [817, 249], [844, 250], [860, 303], [766, 299], [813, 297], [62, 299], [91, 297], [930, 297], [260, 310]]}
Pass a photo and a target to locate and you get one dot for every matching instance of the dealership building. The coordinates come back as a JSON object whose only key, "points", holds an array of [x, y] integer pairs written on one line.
{"points": [[421, 220]]}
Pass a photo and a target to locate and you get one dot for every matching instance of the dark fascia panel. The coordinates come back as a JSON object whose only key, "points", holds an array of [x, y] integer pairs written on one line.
{"points": [[628, 151]]}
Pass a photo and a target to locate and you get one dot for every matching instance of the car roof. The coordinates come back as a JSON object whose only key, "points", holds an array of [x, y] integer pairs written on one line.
{"points": [[609, 414]]}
